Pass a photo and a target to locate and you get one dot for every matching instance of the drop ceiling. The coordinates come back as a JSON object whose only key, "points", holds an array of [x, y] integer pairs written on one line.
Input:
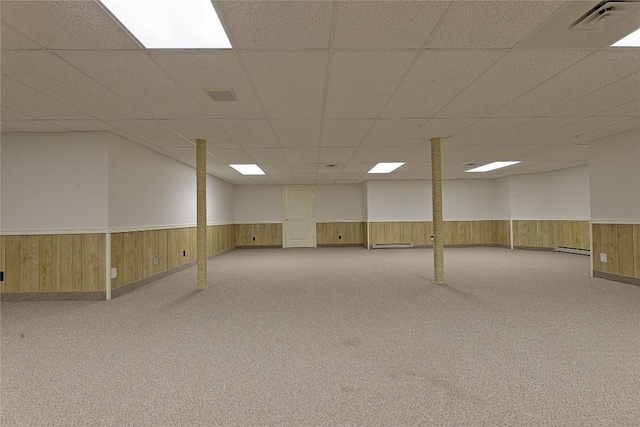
{"points": [[343, 82]]}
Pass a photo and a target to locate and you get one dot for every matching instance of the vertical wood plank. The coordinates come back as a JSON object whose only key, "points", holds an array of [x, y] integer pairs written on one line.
{"points": [[29, 266], [117, 259], [609, 245], [90, 263], [636, 250], [46, 264], [55, 263], [129, 258], [67, 266], [139, 255], [2, 260], [162, 250], [13, 261], [597, 249], [102, 262], [625, 250], [77, 263]]}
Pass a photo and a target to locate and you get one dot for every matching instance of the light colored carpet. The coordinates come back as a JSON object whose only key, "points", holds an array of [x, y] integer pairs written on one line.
{"points": [[335, 336]]}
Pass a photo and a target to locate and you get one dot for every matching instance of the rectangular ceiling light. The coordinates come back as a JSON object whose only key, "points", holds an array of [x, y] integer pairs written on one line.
{"points": [[632, 40], [492, 166], [385, 167], [248, 169], [171, 24]]}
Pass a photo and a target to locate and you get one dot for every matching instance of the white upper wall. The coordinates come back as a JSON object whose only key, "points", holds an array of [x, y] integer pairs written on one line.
{"points": [[614, 165], [412, 200], [258, 204], [339, 203], [149, 190], [562, 194], [54, 182]]}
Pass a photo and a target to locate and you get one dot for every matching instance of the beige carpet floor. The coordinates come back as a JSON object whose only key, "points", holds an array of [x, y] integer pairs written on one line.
{"points": [[335, 336]]}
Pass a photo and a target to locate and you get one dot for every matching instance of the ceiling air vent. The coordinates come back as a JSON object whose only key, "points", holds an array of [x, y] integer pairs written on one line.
{"points": [[333, 166], [222, 95], [604, 14]]}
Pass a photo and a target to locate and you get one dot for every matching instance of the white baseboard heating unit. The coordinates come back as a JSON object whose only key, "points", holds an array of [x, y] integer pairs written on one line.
{"points": [[571, 250], [392, 245]]}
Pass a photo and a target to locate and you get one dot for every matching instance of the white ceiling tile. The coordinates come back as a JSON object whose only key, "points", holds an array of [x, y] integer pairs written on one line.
{"points": [[385, 24], [238, 180], [220, 169], [574, 129], [197, 71], [229, 156], [350, 176], [297, 132], [67, 24], [305, 177], [360, 83], [276, 169], [440, 128], [483, 129], [390, 132], [290, 84], [84, 125], [527, 130], [358, 168], [284, 179], [463, 154], [304, 168], [630, 109], [620, 92], [278, 24], [301, 155], [416, 167], [209, 130], [603, 132], [11, 114], [32, 126], [344, 133], [510, 77], [267, 155], [595, 71], [261, 179], [335, 155], [10, 38], [46, 72], [558, 153], [375, 154], [6, 129], [512, 152], [135, 77], [36, 104], [414, 153], [327, 178], [435, 79], [154, 132], [489, 24], [250, 132]]}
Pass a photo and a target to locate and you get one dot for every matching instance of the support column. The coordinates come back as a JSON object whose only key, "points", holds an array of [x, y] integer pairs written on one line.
{"points": [[438, 225], [201, 187]]}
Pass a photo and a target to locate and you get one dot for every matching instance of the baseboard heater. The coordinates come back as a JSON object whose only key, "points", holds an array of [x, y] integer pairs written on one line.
{"points": [[392, 245], [570, 250]]}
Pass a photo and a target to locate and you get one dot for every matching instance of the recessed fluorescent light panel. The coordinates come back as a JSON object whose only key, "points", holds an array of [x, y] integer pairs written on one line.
{"points": [[171, 24], [385, 167], [632, 40], [492, 166], [248, 169]]}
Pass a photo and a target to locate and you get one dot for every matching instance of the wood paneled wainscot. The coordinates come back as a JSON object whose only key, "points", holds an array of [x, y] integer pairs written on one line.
{"points": [[258, 235], [58, 263], [547, 234], [456, 233], [621, 245], [133, 253], [340, 233]]}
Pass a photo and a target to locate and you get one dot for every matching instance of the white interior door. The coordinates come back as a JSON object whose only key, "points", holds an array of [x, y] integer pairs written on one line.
{"points": [[299, 230]]}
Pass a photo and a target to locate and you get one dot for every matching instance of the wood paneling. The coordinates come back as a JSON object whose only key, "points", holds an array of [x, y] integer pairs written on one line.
{"points": [[621, 243], [551, 233], [2, 259], [132, 252], [53, 263], [339, 233], [258, 234], [455, 232]]}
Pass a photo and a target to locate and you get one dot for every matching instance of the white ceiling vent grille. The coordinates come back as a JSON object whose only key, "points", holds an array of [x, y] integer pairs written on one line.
{"points": [[222, 95], [604, 14]]}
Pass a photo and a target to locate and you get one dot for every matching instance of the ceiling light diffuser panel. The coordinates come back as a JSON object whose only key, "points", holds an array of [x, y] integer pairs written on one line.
{"points": [[248, 169], [493, 166], [385, 167], [632, 40], [171, 24]]}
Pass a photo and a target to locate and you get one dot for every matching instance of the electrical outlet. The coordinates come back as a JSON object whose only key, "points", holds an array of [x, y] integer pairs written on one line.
{"points": [[339, 237], [254, 238], [114, 272], [1, 276], [432, 238], [184, 253], [603, 257]]}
